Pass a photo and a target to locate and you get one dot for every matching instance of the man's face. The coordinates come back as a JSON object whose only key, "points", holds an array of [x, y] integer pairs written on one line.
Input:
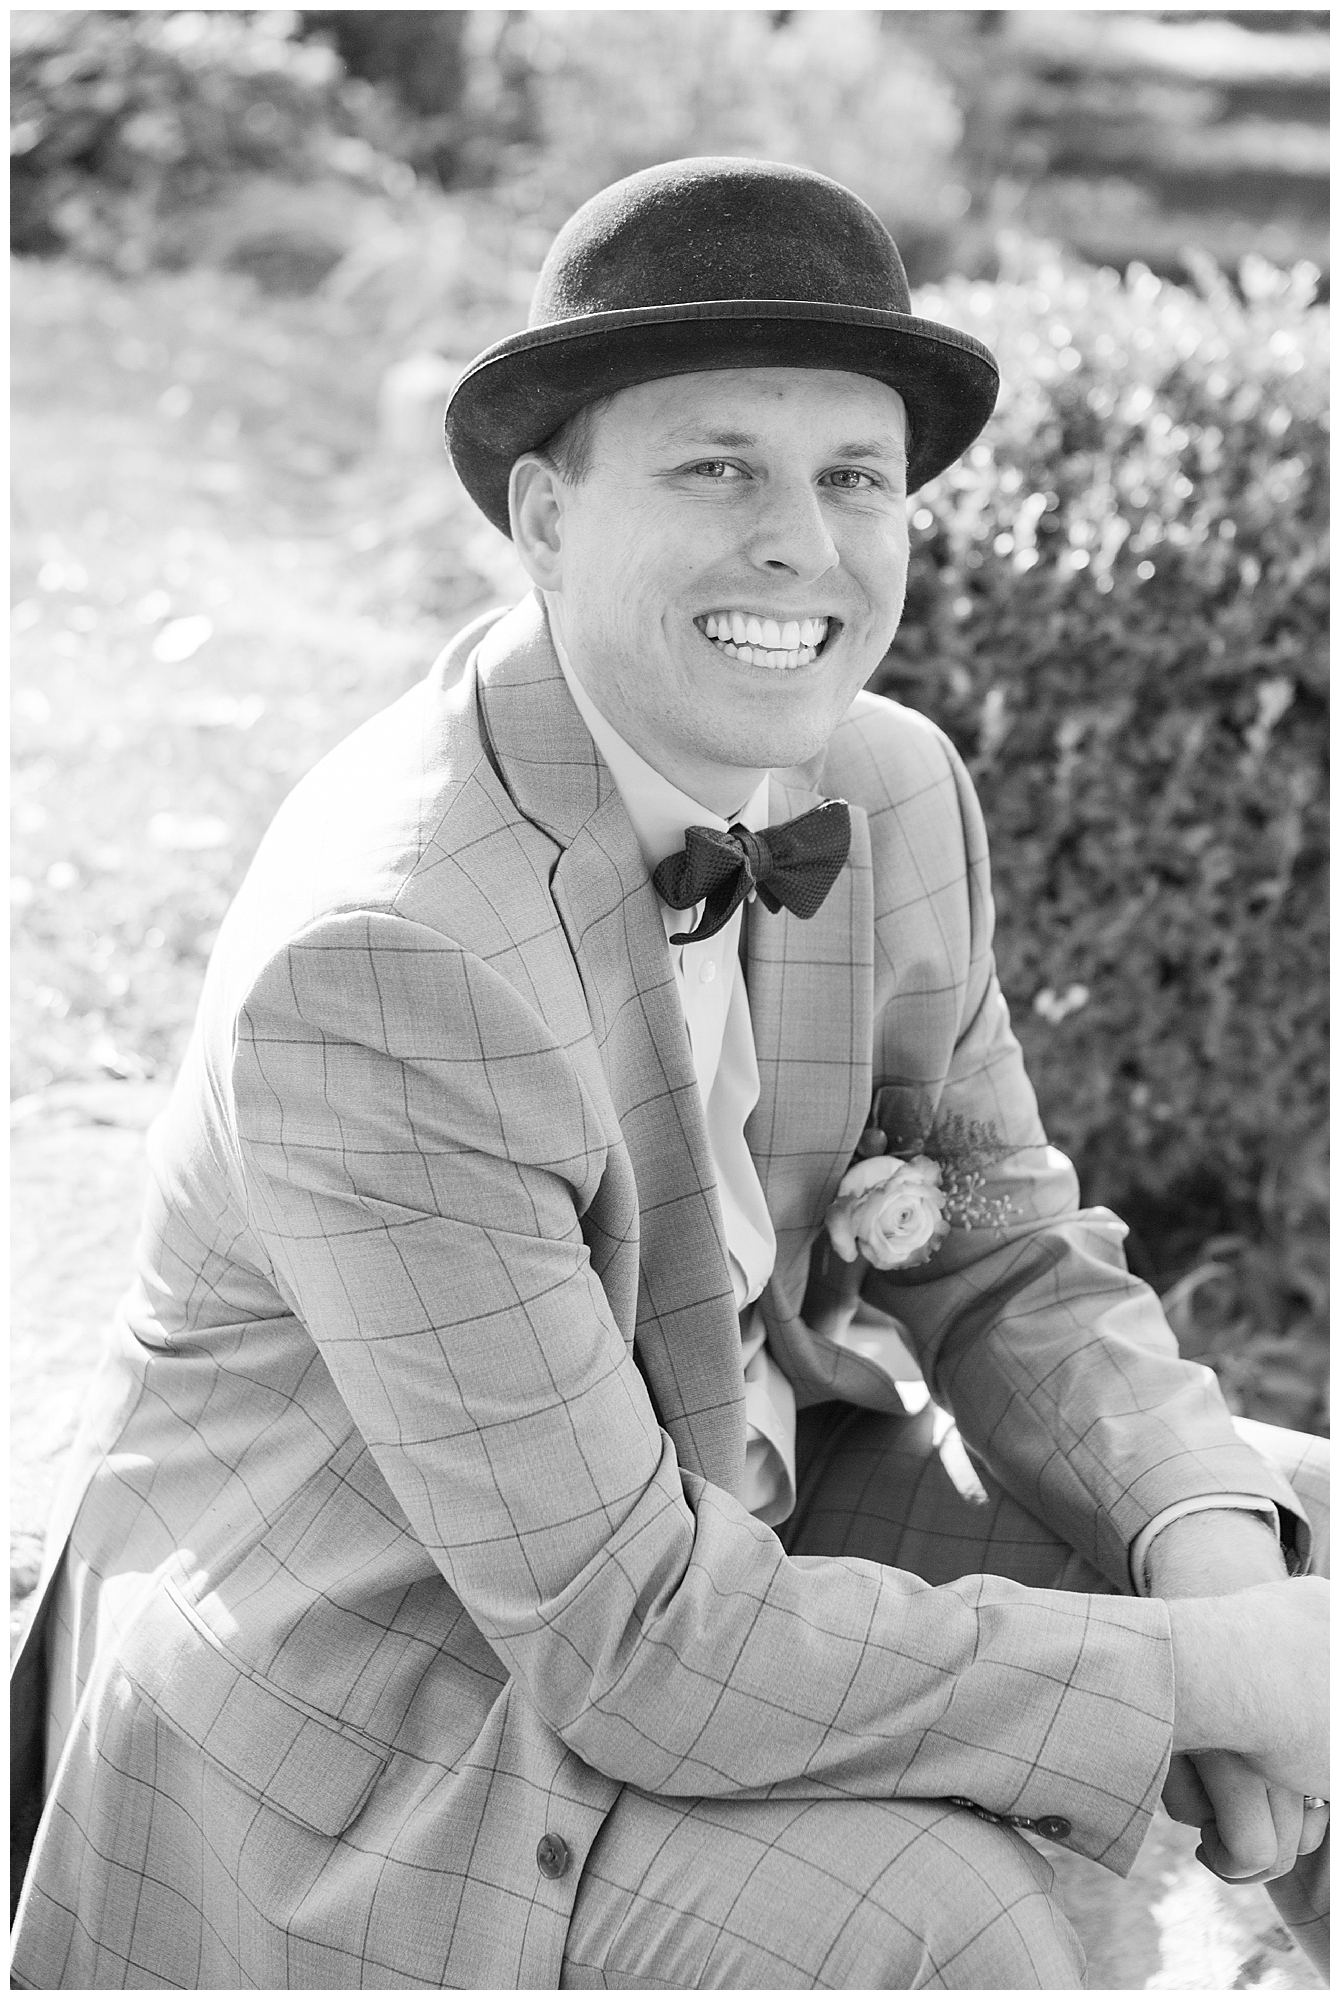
{"points": [[775, 495]]}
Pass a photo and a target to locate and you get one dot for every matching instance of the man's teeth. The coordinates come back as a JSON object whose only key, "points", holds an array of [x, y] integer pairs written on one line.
{"points": [[746, 631], [765, 642]]}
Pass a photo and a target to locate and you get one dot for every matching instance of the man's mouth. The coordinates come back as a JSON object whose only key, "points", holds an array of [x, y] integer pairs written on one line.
{"points": [[766, 642]]}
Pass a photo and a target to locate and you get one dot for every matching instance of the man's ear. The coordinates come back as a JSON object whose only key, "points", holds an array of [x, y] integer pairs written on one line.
{"points": [[535, 505]]}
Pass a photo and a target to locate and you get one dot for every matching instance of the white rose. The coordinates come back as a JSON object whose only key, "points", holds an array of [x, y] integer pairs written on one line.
{"points": [[890, 1212]]}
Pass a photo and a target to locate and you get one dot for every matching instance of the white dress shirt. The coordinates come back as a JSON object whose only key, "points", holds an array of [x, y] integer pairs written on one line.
{"points": [[721, 1037]]}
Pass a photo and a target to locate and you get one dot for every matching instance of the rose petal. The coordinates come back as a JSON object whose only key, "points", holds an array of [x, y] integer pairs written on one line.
{"points": [[889, 1210], [901, 1222], [867, 1174], [841, 1230]]}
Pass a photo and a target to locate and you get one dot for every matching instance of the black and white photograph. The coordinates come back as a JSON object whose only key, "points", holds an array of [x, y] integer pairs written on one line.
{"points": [[669, 884]]}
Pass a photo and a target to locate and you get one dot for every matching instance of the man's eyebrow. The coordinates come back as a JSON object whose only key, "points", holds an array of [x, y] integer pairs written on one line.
{"points": [[883, 445], [727, 440], [876, 447]]}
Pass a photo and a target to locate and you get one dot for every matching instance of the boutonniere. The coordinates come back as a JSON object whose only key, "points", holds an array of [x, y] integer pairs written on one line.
{"points": [[889, 1211], [911, 1182], [895, 1211]]}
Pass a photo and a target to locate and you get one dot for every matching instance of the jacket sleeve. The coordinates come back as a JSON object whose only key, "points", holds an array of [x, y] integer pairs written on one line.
{"points": [[418, 1153], [1058, 1365]]}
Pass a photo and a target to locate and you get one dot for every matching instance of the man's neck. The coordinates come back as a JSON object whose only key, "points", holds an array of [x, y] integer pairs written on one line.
{"points": [[723, 789]]}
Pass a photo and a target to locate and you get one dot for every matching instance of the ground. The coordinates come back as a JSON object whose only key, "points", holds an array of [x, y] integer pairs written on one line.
{"points": [[224, 559]]}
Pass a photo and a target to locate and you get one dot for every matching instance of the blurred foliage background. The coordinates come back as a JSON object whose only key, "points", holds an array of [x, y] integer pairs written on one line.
{"points": [[254, 249]]}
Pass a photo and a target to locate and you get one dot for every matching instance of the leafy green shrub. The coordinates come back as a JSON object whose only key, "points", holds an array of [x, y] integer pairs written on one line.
{"points": [[1118, 611], [126, 126]]}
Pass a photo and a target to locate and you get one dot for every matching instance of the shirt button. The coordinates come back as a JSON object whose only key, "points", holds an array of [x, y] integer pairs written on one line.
{"points": [[552, 1855], [707, 971], [1052, 1827]]}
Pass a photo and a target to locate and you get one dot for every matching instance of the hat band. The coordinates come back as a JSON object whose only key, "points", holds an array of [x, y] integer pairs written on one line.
{"points": [[553, 332]]}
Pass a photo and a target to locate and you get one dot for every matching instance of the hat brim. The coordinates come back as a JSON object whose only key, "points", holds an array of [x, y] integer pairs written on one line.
{"points": [[517, 393]]}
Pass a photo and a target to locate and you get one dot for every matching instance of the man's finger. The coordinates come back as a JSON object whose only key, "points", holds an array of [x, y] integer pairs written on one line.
{"points": [[1212, 1854], [1240, 1843], [1184, 1796], [1286, 1810], [1316, 1820]]}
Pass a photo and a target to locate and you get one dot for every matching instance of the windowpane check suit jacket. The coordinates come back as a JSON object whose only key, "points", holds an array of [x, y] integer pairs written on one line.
{"points": [[404, 1516]]}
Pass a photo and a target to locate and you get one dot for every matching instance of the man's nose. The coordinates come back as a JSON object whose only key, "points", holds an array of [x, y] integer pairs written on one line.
{"points": [[791, 533]]}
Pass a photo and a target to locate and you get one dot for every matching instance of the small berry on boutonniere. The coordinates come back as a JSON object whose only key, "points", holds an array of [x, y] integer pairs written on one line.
{"points": [[889, 1211]]}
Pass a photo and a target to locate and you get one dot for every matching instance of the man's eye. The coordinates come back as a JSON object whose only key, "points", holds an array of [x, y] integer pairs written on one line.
{"points": [[850, 479], [716, 468]]}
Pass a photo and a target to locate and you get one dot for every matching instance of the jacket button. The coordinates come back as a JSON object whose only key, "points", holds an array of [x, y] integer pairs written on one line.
{"points": [[1052, 1827], [553, 1855]]}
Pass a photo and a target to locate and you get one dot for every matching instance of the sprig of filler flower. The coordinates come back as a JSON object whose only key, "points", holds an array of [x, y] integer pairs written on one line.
{"points": [[966, 1149], [895, 1211]]}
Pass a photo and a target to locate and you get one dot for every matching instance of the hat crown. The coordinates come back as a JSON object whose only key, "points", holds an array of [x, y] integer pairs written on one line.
{"points": [[712, 229]]}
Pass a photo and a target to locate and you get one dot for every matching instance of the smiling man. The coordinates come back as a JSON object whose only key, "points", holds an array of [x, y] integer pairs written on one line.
{"points": [[494, 1555], [714, 666]]}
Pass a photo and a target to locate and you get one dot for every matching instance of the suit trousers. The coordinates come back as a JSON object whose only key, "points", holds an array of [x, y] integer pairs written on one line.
{"points": [[861, 1893]]}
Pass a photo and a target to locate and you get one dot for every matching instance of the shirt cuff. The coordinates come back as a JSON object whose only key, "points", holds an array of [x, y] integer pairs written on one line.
{"points": [[1236, 1503]]}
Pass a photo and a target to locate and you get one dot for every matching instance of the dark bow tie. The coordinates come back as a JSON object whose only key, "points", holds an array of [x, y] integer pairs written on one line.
{"points": [[792, 866]]}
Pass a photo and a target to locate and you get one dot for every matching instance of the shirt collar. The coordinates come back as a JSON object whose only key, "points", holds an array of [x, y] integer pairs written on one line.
{"points": [[660, 812]]}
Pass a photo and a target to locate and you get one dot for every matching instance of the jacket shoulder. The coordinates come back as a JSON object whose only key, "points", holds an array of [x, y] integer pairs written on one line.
{"points": [[405, 817], [883, 756]]}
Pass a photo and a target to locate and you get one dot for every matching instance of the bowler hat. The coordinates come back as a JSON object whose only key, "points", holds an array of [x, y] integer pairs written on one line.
{"points": [[706, 264]]}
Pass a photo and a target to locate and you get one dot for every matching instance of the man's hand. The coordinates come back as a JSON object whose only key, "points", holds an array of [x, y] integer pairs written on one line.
{"points": [[1250, 1831], [1251, 1673], [1251, 1668]]}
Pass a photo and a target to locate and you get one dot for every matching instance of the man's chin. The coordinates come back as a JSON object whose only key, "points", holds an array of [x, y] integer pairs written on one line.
{"points": [[772, 746], [777, 719]]}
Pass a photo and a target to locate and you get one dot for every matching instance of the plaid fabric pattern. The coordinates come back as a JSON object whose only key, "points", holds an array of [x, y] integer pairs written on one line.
{"points": [[875, 1894], [409, 1532], [863, 1894]]}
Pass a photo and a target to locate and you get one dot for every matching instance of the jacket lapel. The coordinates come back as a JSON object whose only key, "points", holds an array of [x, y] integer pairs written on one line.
{"points": [[811, 986], [687, 1339]]}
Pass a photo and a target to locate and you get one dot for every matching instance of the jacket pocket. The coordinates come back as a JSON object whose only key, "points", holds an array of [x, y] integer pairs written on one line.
{"points": [[294, 1759]]}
